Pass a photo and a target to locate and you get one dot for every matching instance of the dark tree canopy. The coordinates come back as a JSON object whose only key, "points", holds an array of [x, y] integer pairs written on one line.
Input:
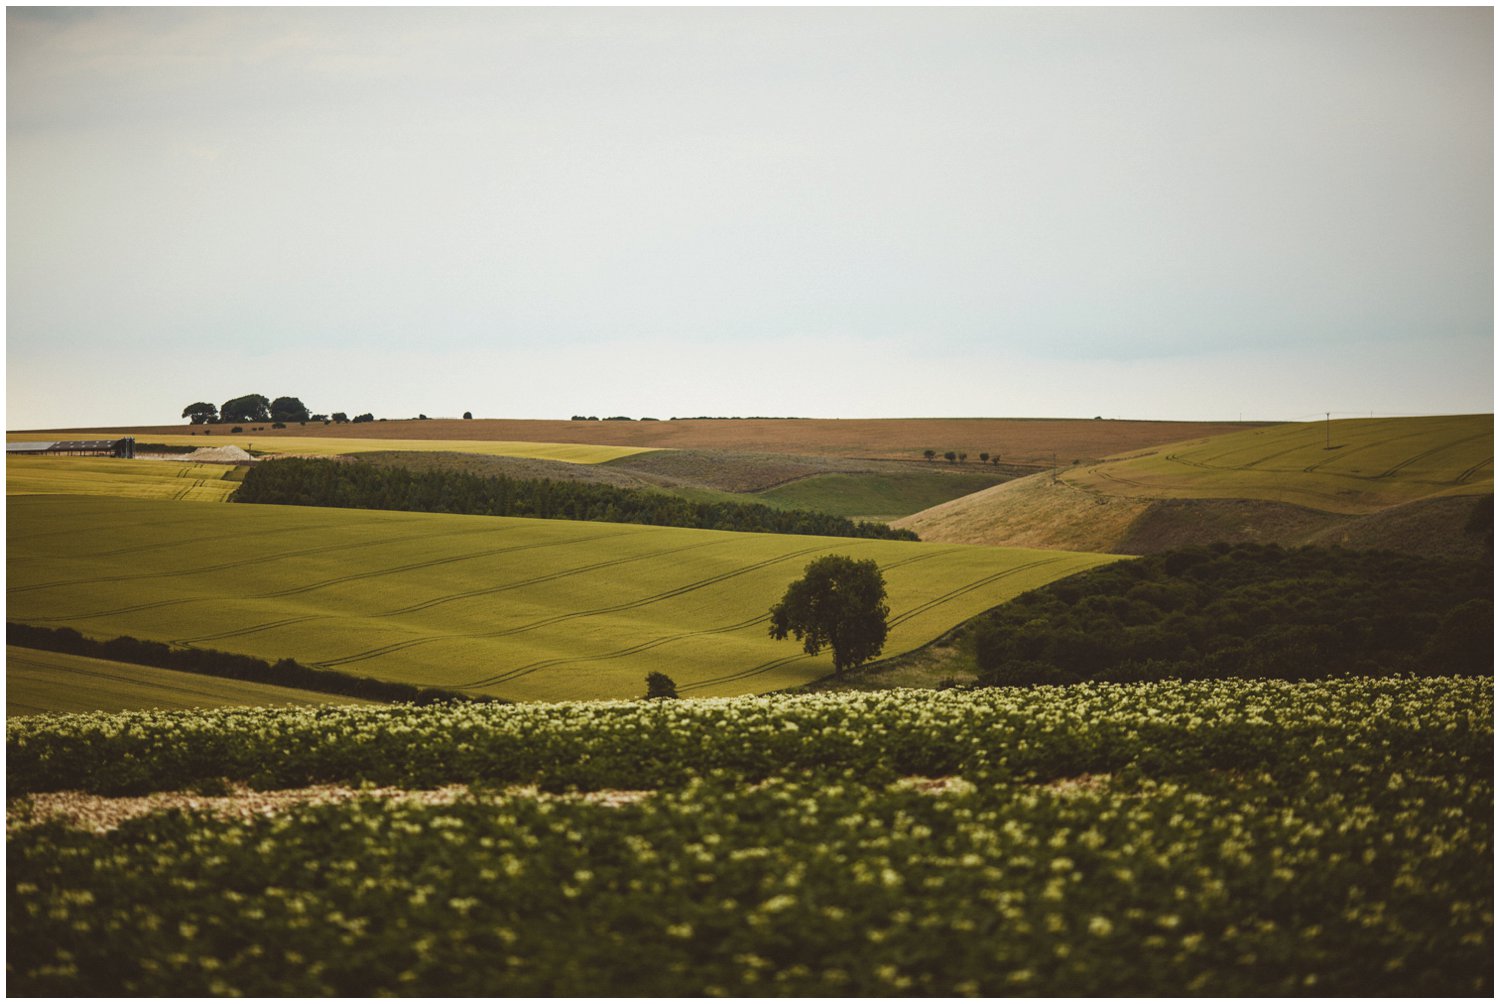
{"points": [[250, 408], [1240, 610], [201, 412], [660, 686], [838, 602], [289, 409]]}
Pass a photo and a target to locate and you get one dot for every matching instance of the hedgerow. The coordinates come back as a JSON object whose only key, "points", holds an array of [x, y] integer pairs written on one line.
{"points": [[299, 481], [226, 665]]}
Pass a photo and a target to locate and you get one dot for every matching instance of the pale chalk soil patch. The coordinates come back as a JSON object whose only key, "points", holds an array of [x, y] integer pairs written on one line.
{"points": [[204, 455], [102, 813]]}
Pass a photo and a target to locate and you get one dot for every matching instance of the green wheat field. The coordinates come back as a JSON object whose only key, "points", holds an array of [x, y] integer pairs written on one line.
{"points": [[514, 608]]}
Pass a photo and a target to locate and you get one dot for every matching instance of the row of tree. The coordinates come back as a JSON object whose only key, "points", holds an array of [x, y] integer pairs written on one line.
{"points": [[611, 418], [1246, 610], [248, 408], [297, 481], [259, 408], [959, 457]]}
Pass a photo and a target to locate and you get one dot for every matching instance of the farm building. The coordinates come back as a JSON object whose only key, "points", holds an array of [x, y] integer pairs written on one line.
{"points": [[75, 448]]}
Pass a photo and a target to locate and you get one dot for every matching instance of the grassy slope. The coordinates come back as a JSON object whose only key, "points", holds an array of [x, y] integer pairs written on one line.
{"points": [[37, 681], [119, 478], [525, 609], [1288, 487], [876, 496]]}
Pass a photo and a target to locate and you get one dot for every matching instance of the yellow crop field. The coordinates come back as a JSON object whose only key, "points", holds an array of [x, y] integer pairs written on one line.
{"points": [[1347, 466], [140, 479], [517, 608], [329, 446], [37, 681]]}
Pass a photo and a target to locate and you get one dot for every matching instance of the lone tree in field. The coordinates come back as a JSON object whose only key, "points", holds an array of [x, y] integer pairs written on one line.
{"points": [[929, 454], [838, 602]]}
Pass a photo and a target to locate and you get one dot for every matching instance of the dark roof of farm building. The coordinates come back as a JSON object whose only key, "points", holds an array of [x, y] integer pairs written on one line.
{"points": [[63, 446]]}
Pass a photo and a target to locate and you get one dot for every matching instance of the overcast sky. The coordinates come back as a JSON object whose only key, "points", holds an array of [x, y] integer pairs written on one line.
{"points": [[532, 213]]}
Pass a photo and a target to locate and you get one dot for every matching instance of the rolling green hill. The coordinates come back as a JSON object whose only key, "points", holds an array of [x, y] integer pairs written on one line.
{"points": [[1387, 482], [515, 608]]}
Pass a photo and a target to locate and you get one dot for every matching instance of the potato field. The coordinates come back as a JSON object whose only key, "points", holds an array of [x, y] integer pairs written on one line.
{"points": [[1235, 837]]}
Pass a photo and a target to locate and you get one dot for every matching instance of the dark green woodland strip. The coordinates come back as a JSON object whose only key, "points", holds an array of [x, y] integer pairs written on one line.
{"points": [[225, 665], [299, 481]]}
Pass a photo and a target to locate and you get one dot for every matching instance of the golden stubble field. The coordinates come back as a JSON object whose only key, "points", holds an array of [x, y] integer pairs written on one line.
{"points": [[1016, 441]]}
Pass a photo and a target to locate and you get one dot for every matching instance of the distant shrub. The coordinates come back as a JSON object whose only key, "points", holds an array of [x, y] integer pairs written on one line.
{"points": [[660, 686]]}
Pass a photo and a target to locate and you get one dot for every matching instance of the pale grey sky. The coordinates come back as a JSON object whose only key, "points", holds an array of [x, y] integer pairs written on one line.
{"points": [[536, 212]]}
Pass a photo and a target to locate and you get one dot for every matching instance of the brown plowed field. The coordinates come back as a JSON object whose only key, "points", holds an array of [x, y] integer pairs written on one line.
{"points": [[1017, 441]]}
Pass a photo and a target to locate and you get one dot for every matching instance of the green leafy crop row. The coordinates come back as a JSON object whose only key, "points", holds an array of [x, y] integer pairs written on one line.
{"points": [[1165, 728], [1235, 837]]}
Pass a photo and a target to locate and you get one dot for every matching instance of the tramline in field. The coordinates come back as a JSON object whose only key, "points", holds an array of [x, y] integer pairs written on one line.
{"points": [[1352, 465], [516, 608]]}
